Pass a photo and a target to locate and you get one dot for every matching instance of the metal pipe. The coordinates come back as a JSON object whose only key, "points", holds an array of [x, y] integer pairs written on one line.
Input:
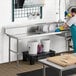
{"points": [[11, 36], [17, 54], [60, 73], [9, 49], [44, 70], [41, 12], [12, 10]]}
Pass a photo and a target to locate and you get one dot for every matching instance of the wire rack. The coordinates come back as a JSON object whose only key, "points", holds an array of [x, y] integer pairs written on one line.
{"points": [[25, 12], [21, 11]]}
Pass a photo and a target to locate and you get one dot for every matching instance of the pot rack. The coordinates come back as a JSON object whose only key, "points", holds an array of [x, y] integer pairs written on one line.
{"points": [[20, 11]]}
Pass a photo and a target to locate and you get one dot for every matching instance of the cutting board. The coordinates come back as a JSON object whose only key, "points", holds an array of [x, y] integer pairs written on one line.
{"points": [[63, 60]]}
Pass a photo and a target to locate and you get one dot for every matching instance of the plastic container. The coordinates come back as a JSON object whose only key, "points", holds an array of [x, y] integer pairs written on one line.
{"points": [[40, 48], [46, 45], [33, 47]]}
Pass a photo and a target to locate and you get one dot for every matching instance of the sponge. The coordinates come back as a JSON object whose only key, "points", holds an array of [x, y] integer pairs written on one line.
{"points": [[69, 15], [61, 28]]}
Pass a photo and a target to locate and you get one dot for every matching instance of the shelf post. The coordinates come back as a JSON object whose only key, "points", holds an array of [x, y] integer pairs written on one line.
{"points": [[41, 12], [12, 10]]}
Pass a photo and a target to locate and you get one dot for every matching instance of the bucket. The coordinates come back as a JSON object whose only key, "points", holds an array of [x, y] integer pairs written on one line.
{"points": [[33, 47], [46, 45]]}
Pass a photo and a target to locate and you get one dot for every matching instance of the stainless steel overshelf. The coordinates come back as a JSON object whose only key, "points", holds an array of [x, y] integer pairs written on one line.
{"points": [[33, 5], [18, 26]]}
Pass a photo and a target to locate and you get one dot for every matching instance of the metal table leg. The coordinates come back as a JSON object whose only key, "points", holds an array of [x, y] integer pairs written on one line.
{"points": [[66, 41], [9, 49], [17, 54], [60, 73], [44, 70]]}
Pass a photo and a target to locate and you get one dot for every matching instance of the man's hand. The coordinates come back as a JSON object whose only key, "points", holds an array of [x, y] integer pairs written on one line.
{"points": [[65, 26]]}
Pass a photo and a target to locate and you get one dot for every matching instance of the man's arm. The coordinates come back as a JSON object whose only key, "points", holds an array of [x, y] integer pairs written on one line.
{"points": [[65, 26]]}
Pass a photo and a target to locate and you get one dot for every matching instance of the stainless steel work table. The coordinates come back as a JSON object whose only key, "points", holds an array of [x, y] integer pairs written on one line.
{"points": [[27, 36], [45, 62]]}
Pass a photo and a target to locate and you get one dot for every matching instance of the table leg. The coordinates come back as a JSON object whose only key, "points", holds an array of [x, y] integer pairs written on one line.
{"points": [[9, 49], [17, 53], [44, 70], [32, 60], [60, 73]]}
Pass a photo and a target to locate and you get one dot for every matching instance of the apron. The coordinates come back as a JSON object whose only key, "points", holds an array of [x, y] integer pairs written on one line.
{"points": [[73, 34]]}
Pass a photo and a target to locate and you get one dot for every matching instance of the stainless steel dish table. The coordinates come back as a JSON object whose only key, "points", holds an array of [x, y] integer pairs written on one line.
{"points": [[23, 36]]}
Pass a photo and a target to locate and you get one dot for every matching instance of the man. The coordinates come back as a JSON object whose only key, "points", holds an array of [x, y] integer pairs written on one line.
{"points": [[72, 19], [72, 24]]}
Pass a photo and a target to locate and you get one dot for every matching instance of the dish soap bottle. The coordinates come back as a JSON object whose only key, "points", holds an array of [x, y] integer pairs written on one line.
{"points": [[40, 48]]}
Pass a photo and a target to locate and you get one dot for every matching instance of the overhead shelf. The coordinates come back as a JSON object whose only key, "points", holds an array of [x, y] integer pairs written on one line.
{"points": [[33, 5]]}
